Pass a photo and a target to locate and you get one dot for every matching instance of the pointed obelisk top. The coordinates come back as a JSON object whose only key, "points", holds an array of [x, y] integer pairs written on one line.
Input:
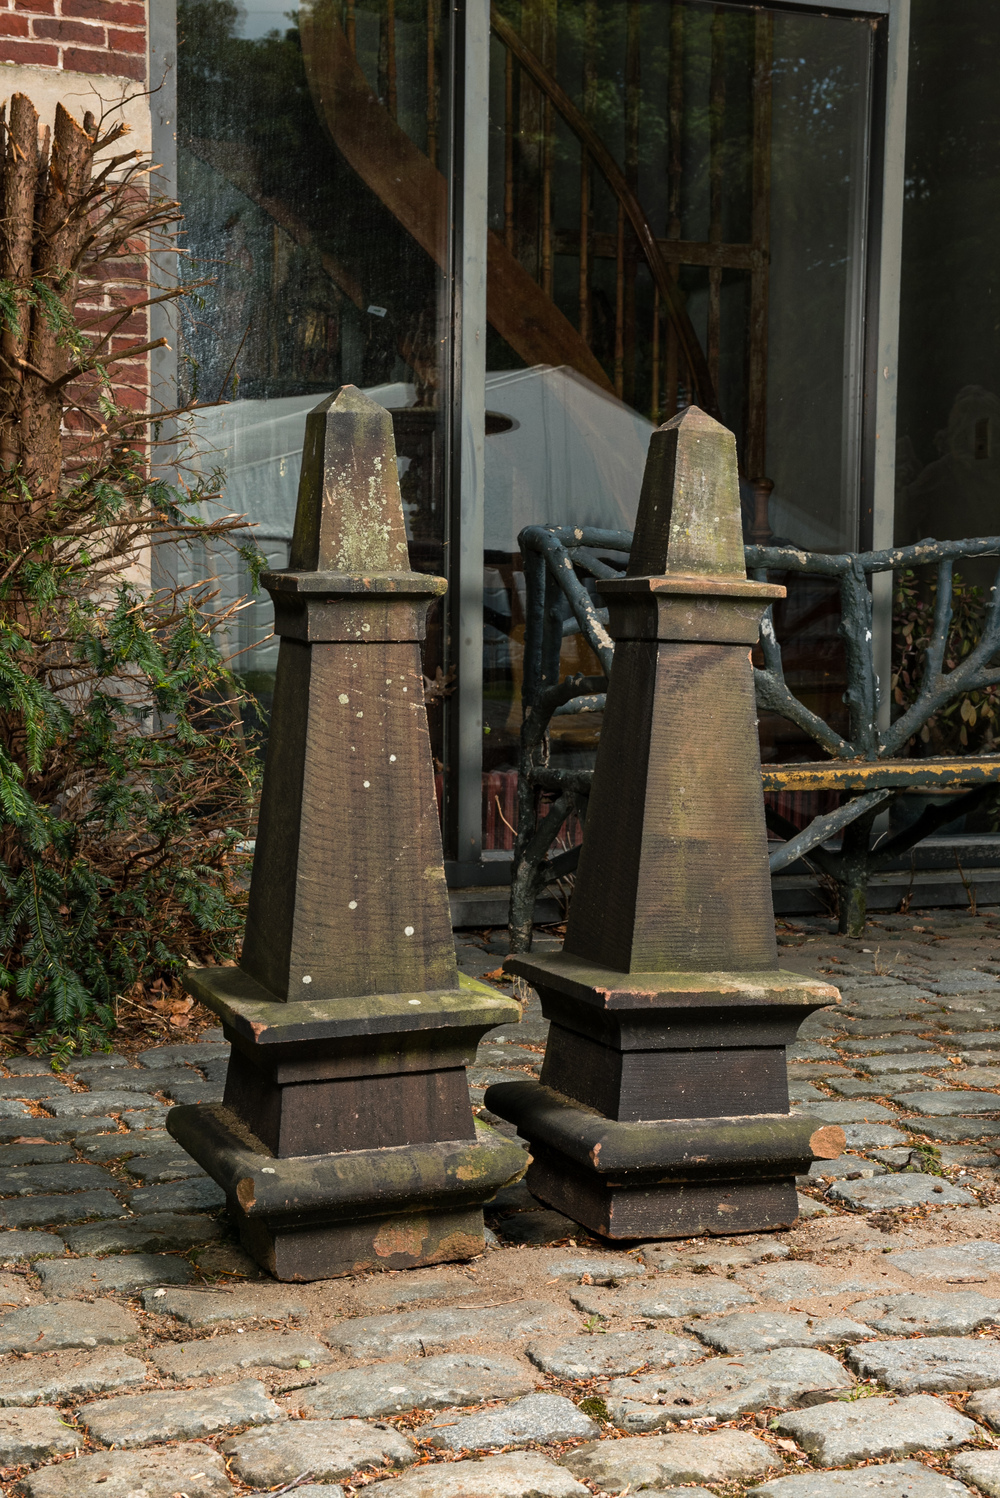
{"points": [[349, 517], [689, 508]]}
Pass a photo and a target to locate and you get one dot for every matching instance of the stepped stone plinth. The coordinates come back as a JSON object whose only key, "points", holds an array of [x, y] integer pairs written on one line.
{"points": [[662, 1109], [346, 1139]]}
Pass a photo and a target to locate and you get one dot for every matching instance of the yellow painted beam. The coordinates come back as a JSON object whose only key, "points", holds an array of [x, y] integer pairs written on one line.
{"points": [[871, 775]]}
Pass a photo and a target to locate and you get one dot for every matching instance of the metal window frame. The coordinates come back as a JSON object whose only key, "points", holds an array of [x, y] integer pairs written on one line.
{"points": [[880, 356]]}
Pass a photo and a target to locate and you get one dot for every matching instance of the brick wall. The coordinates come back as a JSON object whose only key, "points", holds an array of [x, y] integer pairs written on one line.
{"points": [[106, 37]]}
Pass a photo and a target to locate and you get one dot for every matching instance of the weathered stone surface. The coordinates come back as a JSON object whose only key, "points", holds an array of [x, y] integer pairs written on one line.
{"points": [[787, 1282], [38, 1089], [194, 1054], [900, 1191], [722, 1387], [758, 1331], [66, 1323], [13, 1129], [214, 1355], [611, 1353], [943, 1104], [327, 1449], [121, 1144], [161, 1472], [434, 1383], [517, 1474], [848, 1431], [153, 1117], [178, 1414], [665, 1302], [643, 1462], [894, 1480], [666, 1259], [980, 1467], [163, 1166], [105, 1062], [374, 1336], [11, 1109], [127, 1272], [965, 1260], [387, 1292], [154, 1234], [986, 1406], [32, 1435], [808, 1207], [538, 1417], [44, 1153], [46, 1211], [941, 1315], [199, 1194], [67, 1373], [882, 1066], [86, 1104], [17, 1246], [955, 1129], [850, 1113], [603, 1269], [872, 1136], [888, 1045], [963, 980], [935, 1364], [206, 1309], [847, 1167], [879, 1087]]}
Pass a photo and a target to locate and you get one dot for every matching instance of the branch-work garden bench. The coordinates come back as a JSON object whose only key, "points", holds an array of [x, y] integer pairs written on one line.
{"points": [[563, 570]]}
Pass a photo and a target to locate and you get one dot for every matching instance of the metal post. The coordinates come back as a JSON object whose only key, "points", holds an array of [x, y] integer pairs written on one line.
{"points": [[471, 160]]}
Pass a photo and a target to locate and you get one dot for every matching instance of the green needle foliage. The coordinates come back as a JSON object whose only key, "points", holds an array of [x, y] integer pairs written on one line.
{"points": [[126, 785]]}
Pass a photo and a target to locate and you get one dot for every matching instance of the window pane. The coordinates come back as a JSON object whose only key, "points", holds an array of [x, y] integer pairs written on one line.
{"points": [[735, 140], [310, 169]]}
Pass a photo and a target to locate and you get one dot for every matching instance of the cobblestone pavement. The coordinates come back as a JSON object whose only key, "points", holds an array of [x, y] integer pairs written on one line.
{"points": [[142, 1355]]}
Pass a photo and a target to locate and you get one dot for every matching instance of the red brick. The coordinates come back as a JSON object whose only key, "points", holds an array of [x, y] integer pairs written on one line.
{"points": [[113, 64], [38, 7], [110, 12], [70, 31], [13, 25], [126, 41], [40, 53]]}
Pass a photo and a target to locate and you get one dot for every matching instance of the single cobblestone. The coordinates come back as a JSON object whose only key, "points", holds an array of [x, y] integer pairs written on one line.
{"points": [[66, 1374], [611, 1353], [54, 1211], [326, 1449], [787, 1282], [87, 1104], [538, 1417], [157, 1233], [659, 1461], [16, 1246], [33, 1180], [956, 1263], [931, 1315], [432, 1383], [194, 1195], [162, 1472], [934, 1364], [893, 1480], [722, 1388], [666, 1259], [664, 1303], [215, 1355], [65, 1323], [206, 1309], [603, 1269], [374, 1336], [178, 1414], [900, 1191], [872, 1136], [125, 1272], [32, 1435], [163, 1166], [517, 1474], [980, 1467], [845, 1432], [759, 1331], [42, 1153]]}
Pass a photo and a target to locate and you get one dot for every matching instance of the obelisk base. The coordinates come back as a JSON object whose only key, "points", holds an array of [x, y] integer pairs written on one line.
{"points": [[312, 1217], [663, 1178]]}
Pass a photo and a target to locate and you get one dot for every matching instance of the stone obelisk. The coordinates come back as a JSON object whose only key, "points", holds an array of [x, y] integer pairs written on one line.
{"points": [[662, 1108], [346, 1139]]}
